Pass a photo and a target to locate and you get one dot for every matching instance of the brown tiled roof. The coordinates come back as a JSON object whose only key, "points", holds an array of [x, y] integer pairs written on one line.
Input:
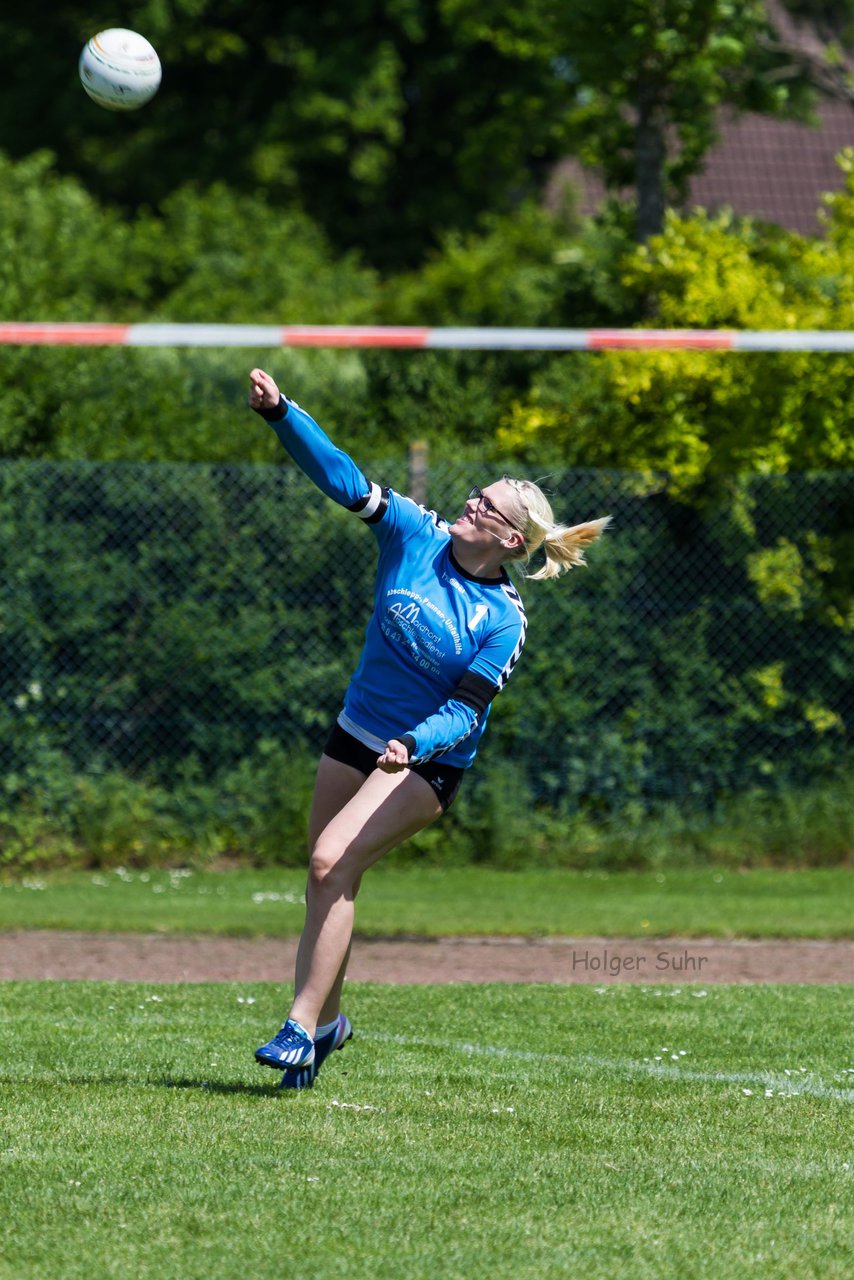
{"points": [[775, 170]]}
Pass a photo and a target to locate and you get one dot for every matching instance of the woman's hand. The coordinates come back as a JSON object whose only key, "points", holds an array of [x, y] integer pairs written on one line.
{"points": [[263, 392], [394, 758]]}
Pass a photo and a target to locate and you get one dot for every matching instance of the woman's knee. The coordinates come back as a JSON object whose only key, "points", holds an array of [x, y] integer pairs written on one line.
{"points": [[329, 869]]}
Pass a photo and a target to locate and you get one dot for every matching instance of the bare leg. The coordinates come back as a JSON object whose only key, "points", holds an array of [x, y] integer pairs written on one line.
{"points": [[387, 809], [335, 786], [332, 1004]]}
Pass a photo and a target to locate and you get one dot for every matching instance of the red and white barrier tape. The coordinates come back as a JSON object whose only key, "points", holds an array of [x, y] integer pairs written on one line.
{"points": [[28, 333]]}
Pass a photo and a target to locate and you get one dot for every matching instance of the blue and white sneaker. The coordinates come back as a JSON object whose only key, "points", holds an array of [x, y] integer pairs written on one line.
{"points": [[291, 1048], [305, 1077]]}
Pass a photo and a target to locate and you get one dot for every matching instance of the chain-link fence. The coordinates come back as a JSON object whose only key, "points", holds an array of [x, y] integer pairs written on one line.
{"points": [[158, 618]]}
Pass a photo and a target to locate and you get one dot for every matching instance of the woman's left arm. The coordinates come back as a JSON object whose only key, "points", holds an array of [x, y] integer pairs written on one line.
{"points": [[463, 711]]}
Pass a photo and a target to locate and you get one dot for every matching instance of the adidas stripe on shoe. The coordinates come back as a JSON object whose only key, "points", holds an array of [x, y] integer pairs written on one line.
{"points": [[305, 1077], [291, 1048]]}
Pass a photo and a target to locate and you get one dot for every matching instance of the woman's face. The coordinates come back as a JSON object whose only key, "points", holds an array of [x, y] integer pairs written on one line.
{"points": [[488, 515]]}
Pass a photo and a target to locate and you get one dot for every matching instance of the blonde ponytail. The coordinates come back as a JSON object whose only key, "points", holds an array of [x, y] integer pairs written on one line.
{"points": [[563, 545]]}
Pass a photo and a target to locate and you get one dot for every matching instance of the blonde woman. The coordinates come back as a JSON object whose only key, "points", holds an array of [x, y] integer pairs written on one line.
{"points": [[445, 635]]}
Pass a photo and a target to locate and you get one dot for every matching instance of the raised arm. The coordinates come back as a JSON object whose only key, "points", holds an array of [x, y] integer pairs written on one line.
{"points": [[331, 469]]}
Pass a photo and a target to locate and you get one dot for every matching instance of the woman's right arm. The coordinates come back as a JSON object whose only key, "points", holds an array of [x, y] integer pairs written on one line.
{"points": [[332, 470]]}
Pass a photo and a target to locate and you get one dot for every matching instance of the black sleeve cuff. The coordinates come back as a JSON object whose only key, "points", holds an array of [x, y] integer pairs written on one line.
{"points": [[275, 414], [409, 742]]}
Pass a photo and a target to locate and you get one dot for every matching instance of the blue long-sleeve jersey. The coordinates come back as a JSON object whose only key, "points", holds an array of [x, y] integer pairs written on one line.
{"points": [[440, 643]]}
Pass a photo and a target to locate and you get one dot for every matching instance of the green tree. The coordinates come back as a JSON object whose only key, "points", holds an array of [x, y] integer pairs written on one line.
{"points": [[696, 415], [643, 82], [208, 256], [370, 116], [818, 43]]}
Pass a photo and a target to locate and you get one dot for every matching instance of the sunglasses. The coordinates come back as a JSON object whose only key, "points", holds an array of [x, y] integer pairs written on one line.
{"points": [[488, 506]]}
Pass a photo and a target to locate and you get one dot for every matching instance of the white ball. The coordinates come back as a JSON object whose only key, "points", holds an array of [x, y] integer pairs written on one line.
{"points": [[119, 69]]}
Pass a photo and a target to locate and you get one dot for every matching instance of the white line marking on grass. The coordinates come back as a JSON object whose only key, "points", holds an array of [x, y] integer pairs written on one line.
{"points": [[783, 1084]]}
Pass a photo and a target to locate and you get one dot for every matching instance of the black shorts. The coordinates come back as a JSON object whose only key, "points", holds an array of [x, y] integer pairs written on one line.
{"points": [[445, 779]]}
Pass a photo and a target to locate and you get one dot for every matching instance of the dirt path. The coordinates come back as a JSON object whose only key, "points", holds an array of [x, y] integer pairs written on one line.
{"points": [[166, 958]]}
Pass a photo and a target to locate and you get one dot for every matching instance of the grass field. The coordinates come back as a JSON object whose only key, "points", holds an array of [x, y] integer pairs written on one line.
{"points": [[525, 1132], [522, 1132], [429, 902]]}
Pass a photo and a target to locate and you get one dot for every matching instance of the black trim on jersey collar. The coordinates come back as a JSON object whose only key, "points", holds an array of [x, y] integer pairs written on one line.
{"points": [[486, 582]]}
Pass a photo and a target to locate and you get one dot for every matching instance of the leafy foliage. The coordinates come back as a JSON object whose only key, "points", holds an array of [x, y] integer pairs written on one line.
{"points": [[211, 256], [370, 116], [643, 82], [175, 642], [391, 122], [696, 415]]}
